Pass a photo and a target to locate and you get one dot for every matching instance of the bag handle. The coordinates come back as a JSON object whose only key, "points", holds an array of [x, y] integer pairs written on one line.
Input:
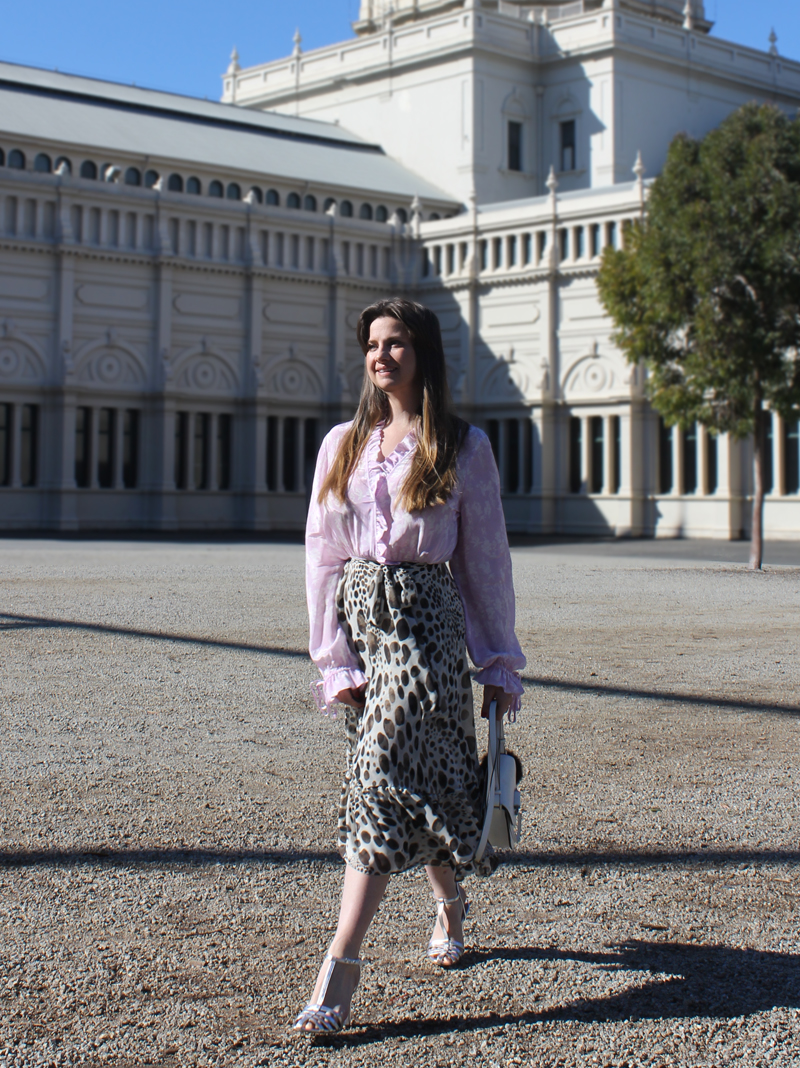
{"points": [[496, 746]]}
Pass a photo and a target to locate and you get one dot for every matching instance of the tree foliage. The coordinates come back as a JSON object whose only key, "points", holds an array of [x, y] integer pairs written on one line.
{"points": [[706, 291]]}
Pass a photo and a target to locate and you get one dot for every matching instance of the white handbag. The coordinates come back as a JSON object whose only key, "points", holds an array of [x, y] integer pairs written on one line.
{"points": [[502, 825]]}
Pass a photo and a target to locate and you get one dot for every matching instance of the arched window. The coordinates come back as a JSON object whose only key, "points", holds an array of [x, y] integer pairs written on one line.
{"points": [[365, 211], [16, 159], [402, 215], [43, 163], [175, 183], [2, 158], [88, 169], [62, 161], [293, 200], [329, 201], [273, 196], [150, 178], [257, 194], [233, 192], [215, 189], [193, 186], [310, 203], [133, 176], [434, 215], [381, 213], [346, 209]]}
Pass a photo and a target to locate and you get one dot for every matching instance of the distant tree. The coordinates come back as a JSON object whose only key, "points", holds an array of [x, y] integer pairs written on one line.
{"points": [[706, 291]]}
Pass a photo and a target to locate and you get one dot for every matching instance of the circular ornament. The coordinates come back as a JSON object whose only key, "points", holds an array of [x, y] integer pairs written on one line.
{"points": [[9, 362]]}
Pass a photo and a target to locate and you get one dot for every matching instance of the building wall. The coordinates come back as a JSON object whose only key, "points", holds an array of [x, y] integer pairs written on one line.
{"points": [[438, 93]]}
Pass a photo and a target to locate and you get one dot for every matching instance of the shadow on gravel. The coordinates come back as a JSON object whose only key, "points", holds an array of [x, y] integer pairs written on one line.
{"points": [[692, 981], [542, 682], [16, 622], [185, 857]]}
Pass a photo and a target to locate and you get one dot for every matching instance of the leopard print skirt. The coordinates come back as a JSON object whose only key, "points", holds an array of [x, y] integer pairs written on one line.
{"points": [[412, 792]]}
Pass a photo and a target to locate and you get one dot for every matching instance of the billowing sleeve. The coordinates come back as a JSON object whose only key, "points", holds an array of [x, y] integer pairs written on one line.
{"points": [[325, 560], [481, 566]]}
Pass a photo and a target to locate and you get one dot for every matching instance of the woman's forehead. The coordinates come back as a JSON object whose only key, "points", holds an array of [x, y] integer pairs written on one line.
{"points": [[387, 326]]}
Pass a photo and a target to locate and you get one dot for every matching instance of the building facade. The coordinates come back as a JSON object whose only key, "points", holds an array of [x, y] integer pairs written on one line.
{"points": [[180, 281]]}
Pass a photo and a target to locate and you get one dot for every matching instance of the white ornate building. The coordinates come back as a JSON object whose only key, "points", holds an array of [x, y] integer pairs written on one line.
{"points": [[180, 281]]}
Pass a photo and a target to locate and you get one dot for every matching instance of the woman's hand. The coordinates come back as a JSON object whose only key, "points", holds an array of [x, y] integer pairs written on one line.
{"points": [[494, 693], [353, 697]]}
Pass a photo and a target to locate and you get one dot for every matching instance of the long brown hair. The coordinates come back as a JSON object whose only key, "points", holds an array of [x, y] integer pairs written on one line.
{"points": [[440, 434]]}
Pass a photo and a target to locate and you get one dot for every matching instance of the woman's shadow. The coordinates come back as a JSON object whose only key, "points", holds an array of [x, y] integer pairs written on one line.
{"points": [[693, 980]]}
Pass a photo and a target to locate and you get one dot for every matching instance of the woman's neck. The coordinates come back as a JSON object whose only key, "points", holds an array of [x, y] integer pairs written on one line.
{"points": [[403, 410]]}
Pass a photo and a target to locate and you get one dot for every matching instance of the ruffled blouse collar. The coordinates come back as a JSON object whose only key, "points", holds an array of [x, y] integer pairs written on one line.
{"points": [[388, 463]]}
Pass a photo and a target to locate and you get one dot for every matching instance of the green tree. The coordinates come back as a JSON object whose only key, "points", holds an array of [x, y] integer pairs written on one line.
{"points": [[706, 292]]}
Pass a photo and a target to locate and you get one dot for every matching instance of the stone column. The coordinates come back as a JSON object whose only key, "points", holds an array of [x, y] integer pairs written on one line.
{"points": [[586, 454], [677, 462], [279, 465], [94, 441], [16, 445], [778, 456], [609, 450], [213, 431], [117, 447]]}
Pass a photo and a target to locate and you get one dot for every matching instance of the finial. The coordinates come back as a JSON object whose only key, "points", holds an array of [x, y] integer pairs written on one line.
{"points": [[552, 181], [298, 40], [773, 42], [233, 66], [688, 16], [638, 170]]}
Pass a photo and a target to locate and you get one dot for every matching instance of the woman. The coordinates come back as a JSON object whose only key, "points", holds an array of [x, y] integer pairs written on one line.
{"points": [[400, 492]]}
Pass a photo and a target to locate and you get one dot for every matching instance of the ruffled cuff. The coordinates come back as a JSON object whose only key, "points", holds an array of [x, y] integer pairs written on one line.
{"points": [[508, 681], [333, 681]]}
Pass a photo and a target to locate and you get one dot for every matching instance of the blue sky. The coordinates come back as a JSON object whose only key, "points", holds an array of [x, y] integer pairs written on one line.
{"points": [[183, 45]]}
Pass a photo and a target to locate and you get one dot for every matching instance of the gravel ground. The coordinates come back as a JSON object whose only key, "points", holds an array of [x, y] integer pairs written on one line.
{"points": [[167, 791]]}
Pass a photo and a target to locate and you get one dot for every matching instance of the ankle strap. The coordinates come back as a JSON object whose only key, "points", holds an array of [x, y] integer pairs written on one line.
{"points": [[343, 960], [448, 900]]}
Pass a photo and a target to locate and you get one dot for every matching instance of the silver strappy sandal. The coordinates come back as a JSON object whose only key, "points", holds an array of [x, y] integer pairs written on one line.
{"points": [[445, 952], [324, 1020]]}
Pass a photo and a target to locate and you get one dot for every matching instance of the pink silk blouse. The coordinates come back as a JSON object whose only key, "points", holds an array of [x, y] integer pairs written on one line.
{"points": [[468, 531]]}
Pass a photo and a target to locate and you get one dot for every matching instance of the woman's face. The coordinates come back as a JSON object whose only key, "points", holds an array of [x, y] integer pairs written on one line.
{"points": [[391, 360]]}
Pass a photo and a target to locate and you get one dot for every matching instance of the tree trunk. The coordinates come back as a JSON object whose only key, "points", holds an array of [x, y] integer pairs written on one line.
{"points": [[757, 527]]}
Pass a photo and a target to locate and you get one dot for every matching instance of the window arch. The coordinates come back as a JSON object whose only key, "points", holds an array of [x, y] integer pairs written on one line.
{"points": [[65, 162], [175, 183], [150, 178], [365, 211], [329, 202], [133, 176], [256, 193], [2, 158], [43, 163], [233, 192], [16, 159], [346, 209], [215, 189], [193, 186], [88, 169], [381, 213], [402, 215], [434, 215], [293, 200], [273, 196], [310, 203]]}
